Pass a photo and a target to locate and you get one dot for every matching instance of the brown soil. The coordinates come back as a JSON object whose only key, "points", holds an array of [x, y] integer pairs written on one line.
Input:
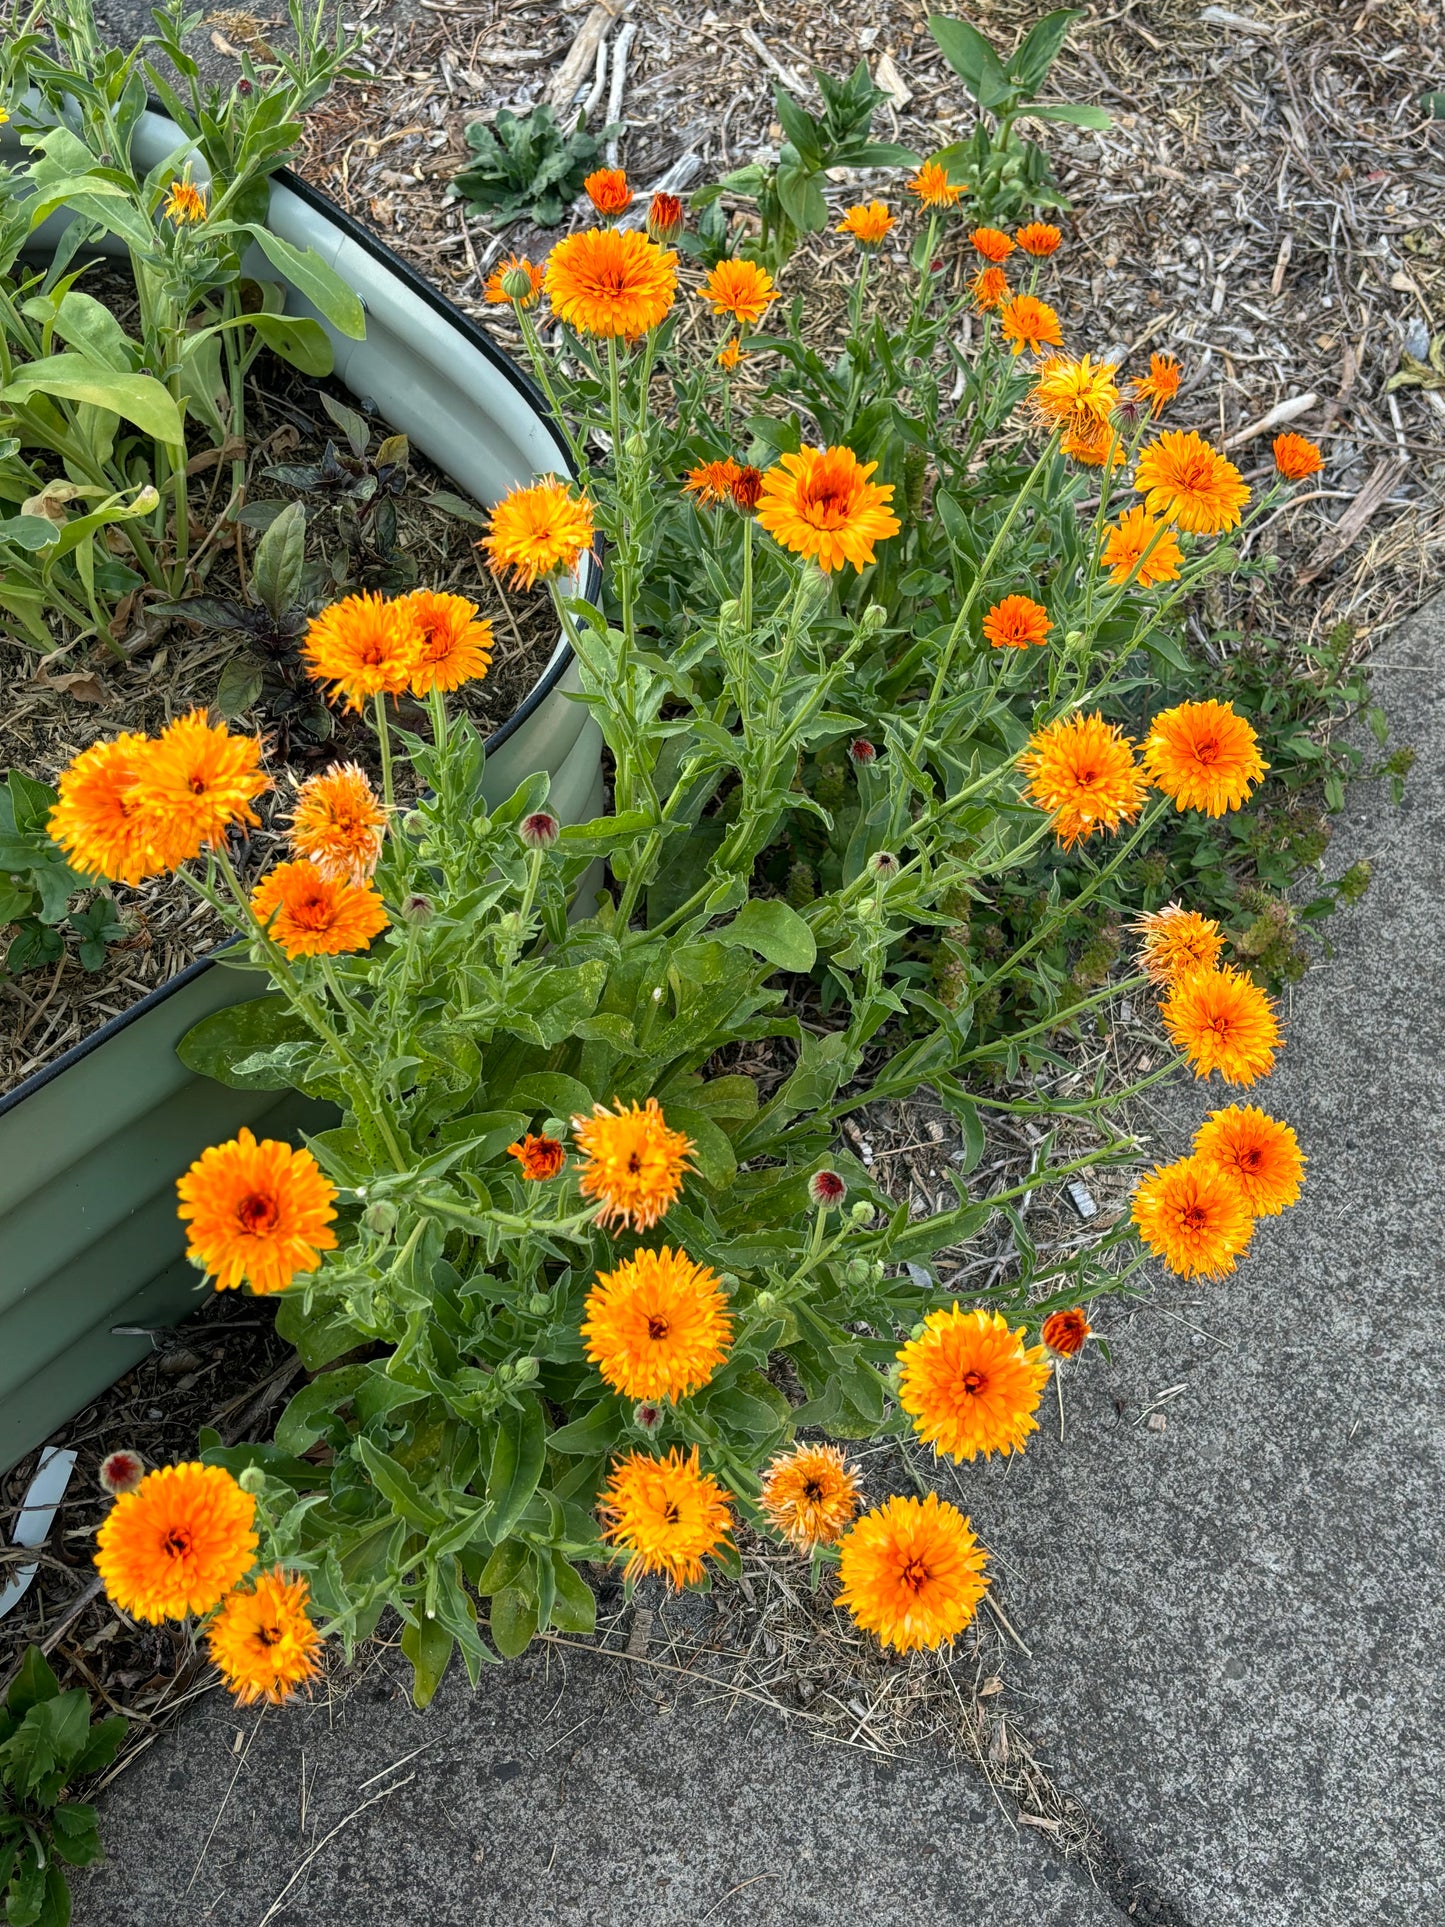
{"points": [[73, 699]]}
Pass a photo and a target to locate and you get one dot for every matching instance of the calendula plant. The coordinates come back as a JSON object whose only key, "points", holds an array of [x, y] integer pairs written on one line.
{"points": [[585, 1253], [98, 418]]}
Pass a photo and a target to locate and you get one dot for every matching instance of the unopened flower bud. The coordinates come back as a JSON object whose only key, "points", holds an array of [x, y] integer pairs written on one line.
{"points": [[524, 1370], [251, 1479], [747, 489], [855, 1272], [883, 864], [872, 619], [636, 447], [380, 1217], [540, 830], [414, 823], [862, 1211], [121, 1472], [826, 1189], [766, 1301], [538, 1303], [647, 1417], [517, 284], [509, 927], [665, 218], [245, 88], [862, 752], [418, 909]]}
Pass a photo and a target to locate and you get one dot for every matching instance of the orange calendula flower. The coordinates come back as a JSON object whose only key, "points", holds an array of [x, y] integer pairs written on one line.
{"points": [[1076, 397], [97, 819], [731, 355], [364, 646], [1255, 1152], [1065, 1333], [1160, 385], [258, 1214], [933, 187], [611, 282], [1204, 756], [990, 289], [668, 1513], [1081, 770], [1027, 322], [1140, 546], [741, 289], [1039, 239], [912, 1573], [456, 646], [1222, 1021], [1186, 481], [666, 218], [820, 503], [311, 914], [185, 203], [540, 1157], [177, 1544], [1099, 447], [338, 823], [608, 191], [195, 782], [747, 488], [635, 1162], [262, 1641], [810, 1495], [1016, 623], [1296, 458], [1193, 1218], [992, 243], [712, 481], [1176, 941], [971, 1385], [517, 281], [869, 222], [536, 530], [658, 1326]]}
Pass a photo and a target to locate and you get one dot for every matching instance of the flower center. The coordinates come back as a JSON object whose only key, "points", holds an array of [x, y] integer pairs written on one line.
{"points": [[973, 1383], [1194, 1218], [257, 1214], [268, 1635], [915, 1575], [1207, 751], [177, 1542], [671, 1514], [1251, 1159], [196, 785], [813, 1492], [657, 1328]]}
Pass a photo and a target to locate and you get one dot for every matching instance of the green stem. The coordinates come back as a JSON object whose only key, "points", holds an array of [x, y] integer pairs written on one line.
{"points": [[383, 738]]}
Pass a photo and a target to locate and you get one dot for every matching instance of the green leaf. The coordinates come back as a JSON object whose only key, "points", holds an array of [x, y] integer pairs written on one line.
{"points": [[312, 1410], [502, 1567], [237, 687], [514, 1621], [322, 286], [397, 1486], [138, 398], [774, 931], [32, 533], [574, 1608], [32, 1685], [1094, 117], [213, 1047], [712, 1150], [592, 1435], [428, 1645], [518, 1457], [972, 59], [1040, 48], [297, 339], [279, 559], [553, 1093]]}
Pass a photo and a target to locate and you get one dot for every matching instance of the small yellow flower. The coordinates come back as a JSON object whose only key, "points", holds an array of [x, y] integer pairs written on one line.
{"points": [[185, 203]]}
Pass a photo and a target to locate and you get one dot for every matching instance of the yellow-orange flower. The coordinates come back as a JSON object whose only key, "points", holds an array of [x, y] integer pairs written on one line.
{"points": [[338, 822], [456, 646], [741, 289], [1081, 770], [820, 503], [1160, 385], [1256, 1152], [810, 1495], [992, 243], [747, 488], [177, 1544], [1296, 458], [1076, 397], [971, 1385], [1066, 1332], [97, 819], [1193, 1218], [635, 1162], [364, 646], [912, 1573], [666, 218], [1099, 447], [262, 1640], [668, 1513], [712, 481], [311, 914], [256, 1213], [541, 1158], [869, 222], [611, 281], [1204, 756], [1223, 1021], [1027, 322], [1186, 481], [658, 1326], [731, 355], [1177, 941], [1016, 623], [989, 288], [536, 530], [608, 191], [1039, 238], [194, 782], [1139, 541], [185, 203], [933, 187], [514, 267]]}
